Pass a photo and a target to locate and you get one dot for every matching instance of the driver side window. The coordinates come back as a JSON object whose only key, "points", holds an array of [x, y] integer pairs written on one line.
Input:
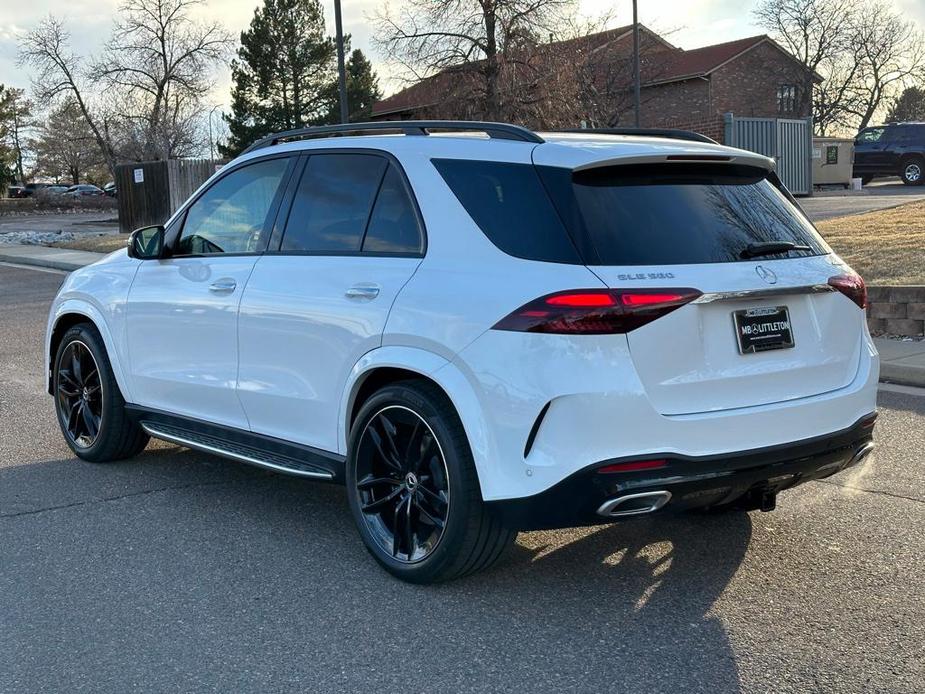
{"points": [[231, 215]]}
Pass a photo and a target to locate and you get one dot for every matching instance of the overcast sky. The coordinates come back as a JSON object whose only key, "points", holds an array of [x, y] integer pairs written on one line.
{"points": [[693, 23]]}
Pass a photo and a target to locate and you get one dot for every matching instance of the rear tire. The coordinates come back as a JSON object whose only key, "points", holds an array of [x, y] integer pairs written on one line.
{"points": [[89, 405], [912, 171], [409, 472]]}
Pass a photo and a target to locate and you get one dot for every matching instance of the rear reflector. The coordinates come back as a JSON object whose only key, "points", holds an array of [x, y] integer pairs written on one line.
{"points": [[595, 311], [633, 466], [851, 286]]}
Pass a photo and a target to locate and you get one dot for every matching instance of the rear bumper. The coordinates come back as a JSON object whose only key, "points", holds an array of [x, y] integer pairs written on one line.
{"points": [[747, 479]]}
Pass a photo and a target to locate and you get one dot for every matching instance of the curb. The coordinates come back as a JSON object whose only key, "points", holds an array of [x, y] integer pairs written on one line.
{"points": [[902, 374], [54, 258]]}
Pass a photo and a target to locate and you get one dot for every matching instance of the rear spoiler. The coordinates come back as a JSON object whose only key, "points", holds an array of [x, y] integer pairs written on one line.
{"points": [[670, 133], [731, 156]]}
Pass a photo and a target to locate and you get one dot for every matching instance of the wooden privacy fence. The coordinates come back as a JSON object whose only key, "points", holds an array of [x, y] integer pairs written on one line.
{"points": [[150, 191]]}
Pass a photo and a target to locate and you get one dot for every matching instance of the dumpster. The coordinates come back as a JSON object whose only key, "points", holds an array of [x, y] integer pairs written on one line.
{"points": [[833, 159]]}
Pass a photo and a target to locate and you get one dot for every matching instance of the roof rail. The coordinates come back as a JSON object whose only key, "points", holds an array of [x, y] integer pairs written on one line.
{"points": [[504, 131], [645, 132]]}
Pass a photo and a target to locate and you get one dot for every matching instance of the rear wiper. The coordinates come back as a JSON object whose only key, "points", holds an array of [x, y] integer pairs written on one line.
{"points": [[753, 250]]}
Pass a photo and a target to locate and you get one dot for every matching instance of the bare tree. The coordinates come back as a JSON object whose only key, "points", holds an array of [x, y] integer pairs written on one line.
{"points": [[863, 49], [65, 147], [477, 38], [892, 51], [61, 73], [160, 60], [142, 98]]}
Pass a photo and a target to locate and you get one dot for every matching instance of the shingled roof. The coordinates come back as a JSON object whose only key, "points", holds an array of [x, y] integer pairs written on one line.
{"points": [[666, 64]]}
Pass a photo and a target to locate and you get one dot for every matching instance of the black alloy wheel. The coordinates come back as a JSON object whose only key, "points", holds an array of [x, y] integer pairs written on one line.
{"points": [[79, 394], [402, 484], [89, 405]]}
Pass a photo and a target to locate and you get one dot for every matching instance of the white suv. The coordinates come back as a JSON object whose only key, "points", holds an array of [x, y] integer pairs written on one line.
{"points": [[479, 334]]}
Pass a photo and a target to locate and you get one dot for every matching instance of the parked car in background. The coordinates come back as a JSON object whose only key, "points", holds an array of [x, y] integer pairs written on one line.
{"points": [[110, 189], [894, 149], [26, 191], [52, 191], [84, 190]]}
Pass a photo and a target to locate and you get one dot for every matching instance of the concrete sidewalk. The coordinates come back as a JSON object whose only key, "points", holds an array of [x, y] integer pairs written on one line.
{"points": [[44, 256], [900, 362]]}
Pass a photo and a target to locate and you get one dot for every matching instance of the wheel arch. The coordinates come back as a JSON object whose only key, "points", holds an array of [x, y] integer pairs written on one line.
{"points": [[390, 364], [66, 316]]}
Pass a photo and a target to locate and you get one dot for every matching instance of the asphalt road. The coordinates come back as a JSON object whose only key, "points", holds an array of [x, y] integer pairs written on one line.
{"points": [[180, 572], [879, 195]]}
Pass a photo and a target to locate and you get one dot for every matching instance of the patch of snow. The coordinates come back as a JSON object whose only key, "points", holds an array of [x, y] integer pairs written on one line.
{"points": [[35, 238]]}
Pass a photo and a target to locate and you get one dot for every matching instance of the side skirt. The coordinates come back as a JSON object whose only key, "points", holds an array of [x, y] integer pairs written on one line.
{"points": [[242, 446]]}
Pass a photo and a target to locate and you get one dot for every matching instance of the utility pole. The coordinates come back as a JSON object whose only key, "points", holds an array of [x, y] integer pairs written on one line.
{"points": [[636, 86], [341, 69], [211, 140]]}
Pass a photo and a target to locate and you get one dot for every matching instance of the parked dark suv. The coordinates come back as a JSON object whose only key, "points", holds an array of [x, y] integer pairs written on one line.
{"points": [[26, 191], [894, 149]]}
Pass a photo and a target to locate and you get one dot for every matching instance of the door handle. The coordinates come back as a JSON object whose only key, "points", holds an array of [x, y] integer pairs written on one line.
{"points": [[362, 291], [223, 285]]}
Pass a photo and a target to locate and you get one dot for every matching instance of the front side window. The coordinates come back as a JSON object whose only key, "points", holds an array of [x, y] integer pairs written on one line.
{"points": [[231, 216], [869, 135]]}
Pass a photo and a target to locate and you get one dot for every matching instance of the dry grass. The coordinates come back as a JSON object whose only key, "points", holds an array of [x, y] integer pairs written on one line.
{"points": [[98, 244], [886, 247]]}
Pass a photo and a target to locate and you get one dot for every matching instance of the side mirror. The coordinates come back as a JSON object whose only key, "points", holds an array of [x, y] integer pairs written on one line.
{"points": [[146, 243]]}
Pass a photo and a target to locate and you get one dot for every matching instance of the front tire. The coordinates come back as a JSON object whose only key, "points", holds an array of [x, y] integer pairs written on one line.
{"points": [[89, 405], [413, 489]]}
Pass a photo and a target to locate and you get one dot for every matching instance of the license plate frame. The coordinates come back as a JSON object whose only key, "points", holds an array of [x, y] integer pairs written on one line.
{"points": [[763, 329]]}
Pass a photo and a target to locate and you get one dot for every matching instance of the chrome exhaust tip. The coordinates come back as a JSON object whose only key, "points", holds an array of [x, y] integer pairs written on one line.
{"points": [[861, 454], [634, 504]]}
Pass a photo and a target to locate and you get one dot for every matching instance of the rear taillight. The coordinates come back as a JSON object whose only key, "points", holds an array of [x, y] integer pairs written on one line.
{"points": [[851, 286], [595, 311]]}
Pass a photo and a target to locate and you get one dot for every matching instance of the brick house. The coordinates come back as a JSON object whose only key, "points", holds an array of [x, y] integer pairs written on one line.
{"points": [[681, 88]]}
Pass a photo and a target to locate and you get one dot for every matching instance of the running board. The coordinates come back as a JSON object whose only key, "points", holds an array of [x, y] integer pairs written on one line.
{"points": [[239, 445], [226, 449]]}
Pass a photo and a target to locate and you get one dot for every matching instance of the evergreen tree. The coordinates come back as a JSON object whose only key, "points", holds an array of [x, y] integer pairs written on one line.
{"points": [[362, 89], [282, 76], [909, 106]]}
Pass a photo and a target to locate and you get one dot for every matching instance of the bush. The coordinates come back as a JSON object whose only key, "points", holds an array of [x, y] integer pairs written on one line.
{"points": [[48, 204]]}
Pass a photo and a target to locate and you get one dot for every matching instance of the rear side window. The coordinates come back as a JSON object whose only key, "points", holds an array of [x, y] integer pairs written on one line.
{"points": [[349, 203], [393, 224], [511, 207], [333, 201], [677, 214]]}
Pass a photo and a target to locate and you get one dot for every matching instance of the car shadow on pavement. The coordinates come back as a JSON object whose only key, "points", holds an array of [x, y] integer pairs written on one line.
{"points": [[190, 568]]}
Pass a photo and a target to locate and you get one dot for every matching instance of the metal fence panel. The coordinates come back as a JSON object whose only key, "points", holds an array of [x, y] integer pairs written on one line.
{"points": [[788, 141]]}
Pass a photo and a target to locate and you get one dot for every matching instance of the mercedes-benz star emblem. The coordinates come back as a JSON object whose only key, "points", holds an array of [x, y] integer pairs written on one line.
{"points": [[766, 274]]}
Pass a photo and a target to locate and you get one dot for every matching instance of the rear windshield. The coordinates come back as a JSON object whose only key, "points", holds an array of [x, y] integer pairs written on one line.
{"points": [[676, 214]]}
